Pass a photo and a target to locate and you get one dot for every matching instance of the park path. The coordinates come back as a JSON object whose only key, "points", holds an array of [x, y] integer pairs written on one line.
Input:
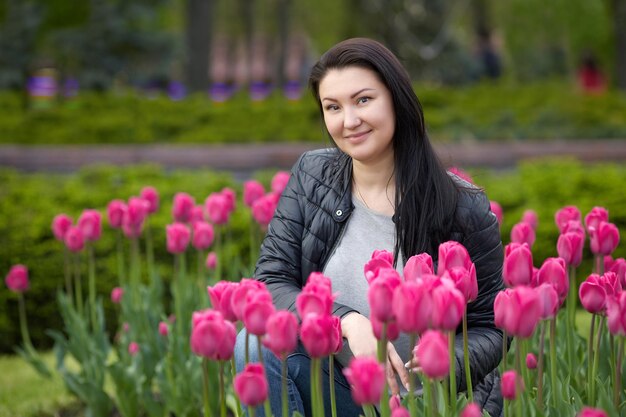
{"points": [[250, 157]]}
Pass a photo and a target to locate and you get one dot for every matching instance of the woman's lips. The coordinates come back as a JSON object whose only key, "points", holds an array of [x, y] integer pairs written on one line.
{"points": [[356, 137]]}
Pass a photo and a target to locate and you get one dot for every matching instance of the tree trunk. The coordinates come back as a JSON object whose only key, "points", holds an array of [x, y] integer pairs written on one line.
{"points": [[198, 40], [619, 23]]}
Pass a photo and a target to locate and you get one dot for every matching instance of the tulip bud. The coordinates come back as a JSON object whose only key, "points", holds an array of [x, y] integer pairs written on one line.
{"points": [[178, 236], [604, 238], [74, 239], [115, 213], [413, 302], [554, 272], [60, 225], [452, 254], [163, 329], [549, 301], [279, 181], [316, 335], [448, 307], [595, 216], [511, 385], [616, 314], [202, 235], [564, 215], [619, 268], [17, 279], [433, 355], [531, 361], [592, 412], [217, 208], [471, 410], [197, 214], [367, 380], [182, 206], [133, 348], [257, 310], [134, 217], [570, 248], [392, 331], [281, 333], [530, 217], [263, 210], [518, 265], [212, 336], [464, 281], [231, 199], [252, 191], [496, 209], [116, 295], [250, 385], [151, 195], [221, 295], [523, 233], [380, 294], [417, 266], [211, 261], [592, 295], [517, 310], [90, 224]]}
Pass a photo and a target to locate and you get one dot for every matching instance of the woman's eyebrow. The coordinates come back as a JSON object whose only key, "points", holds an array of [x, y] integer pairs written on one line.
{"points": [[353, 95]]}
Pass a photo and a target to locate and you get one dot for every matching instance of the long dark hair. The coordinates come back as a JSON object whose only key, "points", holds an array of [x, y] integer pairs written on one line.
{"points": [[426, 196]]}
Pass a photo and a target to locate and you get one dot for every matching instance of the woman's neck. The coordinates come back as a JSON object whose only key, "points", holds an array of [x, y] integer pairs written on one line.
{"points": [[374, 185]]}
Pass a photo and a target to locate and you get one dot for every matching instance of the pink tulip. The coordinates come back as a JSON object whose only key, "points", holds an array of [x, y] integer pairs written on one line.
{"points": [[202, 235], [217, 208], [212, 336], [417, 266], [433, 355], [240, 295], [257, 310], [74, 239], [151, 195], [574, 226], [211, 261], [316, 296], [564, 215], [337, 338], [90, 223], [619, 268], [231, 198], [116, 295], [392, 331], [471, 410], [616, 314], [604, 238], [221, 298], [412, 302], [367, 380], [530, 217], [592, 294], [164, 329], [316, 334], [400, 412], [282, 333], [17, 279], [115, 213], [464, 281], [461, 174], [252, 191], [134, 216], [510, 382], [595, 216], [178, 236], [448, 307], [570, 248], [373, 266], [554, 272], [279, 181], [60, 225], [548, 300], [251, 386], [452, 254], [592, 412], [496, 209], [182, 206], [263, 210], [518, 264], [523, 233], [611, 284], [133, 348], [531, 361], [197, 214], [395, 402], [517, 310], [380, 294]]}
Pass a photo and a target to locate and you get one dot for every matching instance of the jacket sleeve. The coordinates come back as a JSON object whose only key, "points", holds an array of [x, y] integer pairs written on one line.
{"points": [[483, 242]]}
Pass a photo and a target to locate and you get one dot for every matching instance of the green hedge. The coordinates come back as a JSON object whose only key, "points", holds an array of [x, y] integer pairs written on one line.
{"points": [[28, 202], [484, 111]]}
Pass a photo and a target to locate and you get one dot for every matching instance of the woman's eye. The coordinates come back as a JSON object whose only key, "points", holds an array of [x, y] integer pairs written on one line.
{"points": [[332, 107], [363, 99]]}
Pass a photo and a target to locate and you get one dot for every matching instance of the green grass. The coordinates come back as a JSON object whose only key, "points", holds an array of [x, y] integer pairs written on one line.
{"points": [[25, 393]]}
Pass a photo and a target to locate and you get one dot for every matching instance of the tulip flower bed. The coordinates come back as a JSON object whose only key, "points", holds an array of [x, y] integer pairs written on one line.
{"points": [[174, 355]]}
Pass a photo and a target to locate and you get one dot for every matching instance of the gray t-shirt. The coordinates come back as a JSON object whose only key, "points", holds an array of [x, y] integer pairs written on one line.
{"points": [[365, 232]]}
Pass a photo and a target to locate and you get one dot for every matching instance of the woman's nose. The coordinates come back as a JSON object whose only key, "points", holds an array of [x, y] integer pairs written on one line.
{"points": [[351, 120]]}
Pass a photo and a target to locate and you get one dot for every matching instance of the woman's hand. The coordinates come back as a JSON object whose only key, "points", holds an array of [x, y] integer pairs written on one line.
{"points": [[357, 329]]}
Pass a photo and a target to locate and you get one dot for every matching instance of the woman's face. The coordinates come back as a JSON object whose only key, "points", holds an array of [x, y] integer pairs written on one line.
{"points": [[358, 112]]}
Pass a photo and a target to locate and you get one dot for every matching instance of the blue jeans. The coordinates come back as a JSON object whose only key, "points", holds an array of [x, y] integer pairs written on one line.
{"points": [[298, 380]]}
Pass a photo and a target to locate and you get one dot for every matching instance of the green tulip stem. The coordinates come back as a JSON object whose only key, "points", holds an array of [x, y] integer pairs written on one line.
{"points": [[617, 383], [412, 403], [233, 373], [67, 272], [200, 270], [316, 398], [428, 390], [205, 386], [253, 243], [590, 357], [222, 390], [284, 393], [468, 369], [135, 270], [444, 385], [369, 411], [121, 275], [596, 360], [149, 251], [518, 382], [382, 359], [331, 384], [23, 323], [78, 287], [266, 403], [218, 253], [504, 352], [452, 355], [247, 349], [92, 286], [553, 374], [540, 365], [179, 260], [571, 316]]}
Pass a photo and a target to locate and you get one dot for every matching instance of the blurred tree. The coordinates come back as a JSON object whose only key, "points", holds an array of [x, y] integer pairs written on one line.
{"points": [[619, 30], [198, 33]]}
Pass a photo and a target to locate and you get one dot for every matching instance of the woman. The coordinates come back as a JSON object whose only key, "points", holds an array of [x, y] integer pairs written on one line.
{"points": [[382, 187]]}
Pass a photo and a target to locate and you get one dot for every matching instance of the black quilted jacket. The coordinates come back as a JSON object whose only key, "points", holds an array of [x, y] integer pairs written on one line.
{"points": [[309, 220]]}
